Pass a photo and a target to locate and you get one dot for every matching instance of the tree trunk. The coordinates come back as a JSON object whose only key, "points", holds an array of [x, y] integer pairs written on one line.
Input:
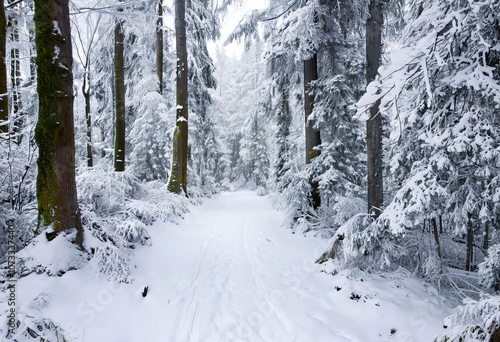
{"points": [[283, 135], [470, 244], [88, 115], [15, 76], [313, 138], [159, 45], [119, 99], [4, 101], [178, 177], [54, 133], [32, 56], [436, 236], [486, 236], [374, 124]]}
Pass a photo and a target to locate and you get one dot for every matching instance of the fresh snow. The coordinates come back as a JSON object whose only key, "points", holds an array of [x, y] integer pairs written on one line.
{"points": [[230, 271]]}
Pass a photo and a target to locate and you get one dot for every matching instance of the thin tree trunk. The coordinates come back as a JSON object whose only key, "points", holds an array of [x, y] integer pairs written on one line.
{"points": [[103, 140], [15, 77], [54, 133], [159, 45], [4, 101], [119, 161], [283, 134], [178, 177], [32, 56], [88, 114], [470, 244], [436, 236], [374, 124], [32, 50], [486, 236], [313, 138]]}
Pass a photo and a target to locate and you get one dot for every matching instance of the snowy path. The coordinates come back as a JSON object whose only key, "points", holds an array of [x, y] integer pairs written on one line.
{"points": [[230, 272], [228, 269]]}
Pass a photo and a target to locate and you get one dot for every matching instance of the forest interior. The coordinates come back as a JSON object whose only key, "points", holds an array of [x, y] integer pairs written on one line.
{"points": [[240, 170]]}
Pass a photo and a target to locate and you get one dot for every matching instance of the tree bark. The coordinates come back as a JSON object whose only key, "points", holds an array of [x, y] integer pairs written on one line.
{"points": [[4, 101], [178, 177], [486, 236], [54, 132], [15, 75], [374, 124], [436, 236], [283, 134], [119, 161], [88, 114], [313, 138], [159, 45], [470, 244]]}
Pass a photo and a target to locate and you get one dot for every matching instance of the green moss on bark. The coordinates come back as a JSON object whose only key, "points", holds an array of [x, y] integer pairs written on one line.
{"points": [[54, 135], [47, 126]]}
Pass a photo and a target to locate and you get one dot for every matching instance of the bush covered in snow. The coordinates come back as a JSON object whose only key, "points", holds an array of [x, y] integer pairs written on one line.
{"points": [[474, 321], [489, 269], [116, 211]]}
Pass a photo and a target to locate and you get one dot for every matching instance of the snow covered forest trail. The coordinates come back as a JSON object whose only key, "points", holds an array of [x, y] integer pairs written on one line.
{"points": [[228, 265], [229, 271]]}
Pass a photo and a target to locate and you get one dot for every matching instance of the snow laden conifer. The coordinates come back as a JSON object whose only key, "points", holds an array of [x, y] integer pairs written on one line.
{"points": [[202, 27], [475, 320], [338, 168], [255, 152], [244, 105], [150, 133], [442, 89], [228, 99], [489, 269]]}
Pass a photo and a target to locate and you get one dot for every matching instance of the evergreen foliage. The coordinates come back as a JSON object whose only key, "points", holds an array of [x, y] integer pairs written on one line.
{"points": [[439, 96]]}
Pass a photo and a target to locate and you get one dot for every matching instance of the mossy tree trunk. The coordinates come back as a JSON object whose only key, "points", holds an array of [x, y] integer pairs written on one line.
{"points": [[4, 102], [54, 133], [119, 99], [374, 123], [178, 177], [313, 137]]}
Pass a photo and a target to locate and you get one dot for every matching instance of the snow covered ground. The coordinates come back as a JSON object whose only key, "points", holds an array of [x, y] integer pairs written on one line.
{"points": [[231, 272]]}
